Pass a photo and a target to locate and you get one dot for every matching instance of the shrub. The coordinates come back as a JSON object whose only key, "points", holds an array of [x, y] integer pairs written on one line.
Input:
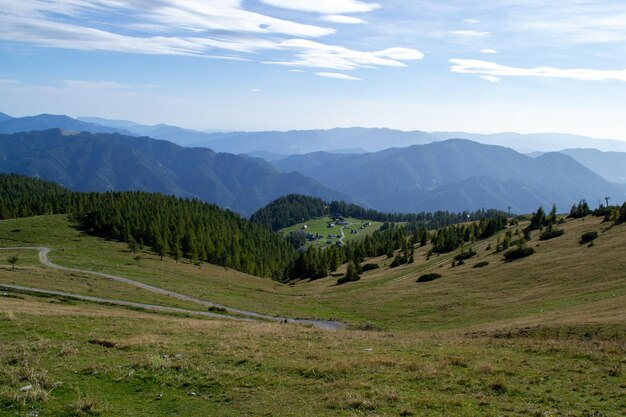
{"points": [[551, 234], [370, 267], [465, 255], [588, 237], [481, 264], [518, 253], [345, 279], [429, 277]]}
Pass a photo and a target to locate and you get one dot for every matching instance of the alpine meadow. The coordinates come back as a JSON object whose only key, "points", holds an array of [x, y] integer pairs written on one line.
{"points": [[312, 208]]}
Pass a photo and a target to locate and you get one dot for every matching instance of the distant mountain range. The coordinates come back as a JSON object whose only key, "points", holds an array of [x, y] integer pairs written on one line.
{"points": [[340, 140], [455, 175], [101, 162], [431, 175]]}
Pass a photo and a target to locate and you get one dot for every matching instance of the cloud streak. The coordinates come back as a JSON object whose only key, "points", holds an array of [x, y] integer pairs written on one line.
{"points": [[325, 6], [318, 55], [337, 76], [222, 29], [468, 66]]}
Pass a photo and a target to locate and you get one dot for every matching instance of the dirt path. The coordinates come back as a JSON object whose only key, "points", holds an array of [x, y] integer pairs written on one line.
{"points": [[43, 258], [99, 300]]}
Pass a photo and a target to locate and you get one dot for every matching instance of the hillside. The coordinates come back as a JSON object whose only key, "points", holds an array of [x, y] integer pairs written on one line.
{"points": [[102, 162], [500, 339], [435, 177]]}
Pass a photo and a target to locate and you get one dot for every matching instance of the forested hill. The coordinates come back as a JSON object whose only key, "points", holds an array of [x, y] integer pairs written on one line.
{"points": [[114, 162], [170, 226], [292, 209]]}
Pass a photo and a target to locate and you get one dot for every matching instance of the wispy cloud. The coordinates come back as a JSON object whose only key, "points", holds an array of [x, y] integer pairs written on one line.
{"points": [[488, 51], [491, 78], [470, 33], [338, 18], [325, 6], [467, 66], [338, 76], [317, 55], [222, 29]]}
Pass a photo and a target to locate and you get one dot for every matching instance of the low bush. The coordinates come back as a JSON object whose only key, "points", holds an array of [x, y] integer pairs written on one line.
{"points": [[345, 279], [370, 267], [481, 264], [429, 277], [465, 255], [588, 237], [551, 234], [518, 253]]}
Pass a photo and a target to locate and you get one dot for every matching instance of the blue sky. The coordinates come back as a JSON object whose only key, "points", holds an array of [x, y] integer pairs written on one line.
{"points": [[480, 66]]}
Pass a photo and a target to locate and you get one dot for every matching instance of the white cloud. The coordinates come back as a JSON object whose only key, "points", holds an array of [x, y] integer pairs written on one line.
{"points": [[470, 33], [491, 78], [296, 70], [325, 6], [337, 76], [488, 51], [468, 66], [338, 18], [317, 55], [471, 21], [214, 29], [256, 90]]}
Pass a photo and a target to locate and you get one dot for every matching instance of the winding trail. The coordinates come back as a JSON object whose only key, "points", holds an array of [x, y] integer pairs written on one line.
{"points": [[43, 258]]}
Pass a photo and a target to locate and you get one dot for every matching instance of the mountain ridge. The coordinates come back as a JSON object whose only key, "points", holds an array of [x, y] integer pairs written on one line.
{"points": [[101, 162]]}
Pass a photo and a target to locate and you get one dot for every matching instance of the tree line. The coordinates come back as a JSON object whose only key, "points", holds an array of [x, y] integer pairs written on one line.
{"points": [[292, 209]]}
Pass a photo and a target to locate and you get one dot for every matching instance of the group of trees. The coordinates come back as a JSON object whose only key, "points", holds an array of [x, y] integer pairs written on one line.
{"points": [[451, 237], [615, 214], [292, 209], [24, 197], [188, 229], [289, 210]]}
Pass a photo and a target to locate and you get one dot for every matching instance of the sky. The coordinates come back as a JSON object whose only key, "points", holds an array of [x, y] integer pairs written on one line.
{"points": [[458, 65]]}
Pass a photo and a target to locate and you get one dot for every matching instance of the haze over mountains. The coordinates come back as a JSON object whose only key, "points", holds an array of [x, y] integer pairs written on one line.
{"points": [[277, 144], [102, 162], [457, 174], [402, 172]]}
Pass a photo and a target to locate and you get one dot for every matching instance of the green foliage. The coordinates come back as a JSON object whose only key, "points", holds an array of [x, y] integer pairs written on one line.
{"points": [[588, 237], [580, 210], [13, 259], [614, 213], [289, 210], [551, 233], [292, 209], [352, 274], [190, 228], [481, 264], [429, 277], [452, 237], [465, 255], [25, 197], [370, 267], [518, 253]]}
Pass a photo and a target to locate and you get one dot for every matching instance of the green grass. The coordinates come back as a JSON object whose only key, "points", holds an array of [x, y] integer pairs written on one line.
{"points": [[320, 226], [561, 276], [173, 366], [541, 336]]}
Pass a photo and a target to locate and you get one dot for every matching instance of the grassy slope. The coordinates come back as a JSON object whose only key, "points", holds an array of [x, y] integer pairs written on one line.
{"points": [[561, 276], [320, 226], [540, 336]]}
